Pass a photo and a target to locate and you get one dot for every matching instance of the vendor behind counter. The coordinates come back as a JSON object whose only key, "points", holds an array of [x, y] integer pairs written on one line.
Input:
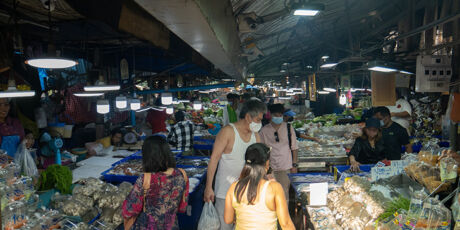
{"points": [[11, 130]]}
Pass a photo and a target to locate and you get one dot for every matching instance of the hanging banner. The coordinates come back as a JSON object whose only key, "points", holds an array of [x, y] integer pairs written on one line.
{"points": [[312, 87]]}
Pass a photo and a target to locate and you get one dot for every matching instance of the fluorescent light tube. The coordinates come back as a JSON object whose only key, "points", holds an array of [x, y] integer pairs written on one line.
{"points": [[305, 12], [330, 90], [83, 94], [382, 69], [143, 109], [328, 65], [51, 63], [17, 93], [323, 92], [102, 88], [406, 72]]}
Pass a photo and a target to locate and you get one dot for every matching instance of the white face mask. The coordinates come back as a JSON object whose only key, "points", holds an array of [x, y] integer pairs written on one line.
{"points": [[382, 123], [255, 127]]}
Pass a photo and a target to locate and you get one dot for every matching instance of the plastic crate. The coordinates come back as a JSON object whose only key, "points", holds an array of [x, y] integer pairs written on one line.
{"points": [[338, 169]]}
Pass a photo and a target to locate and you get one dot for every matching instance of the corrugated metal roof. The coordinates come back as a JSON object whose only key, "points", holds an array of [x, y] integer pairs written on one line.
{"points": [[290, 35]]}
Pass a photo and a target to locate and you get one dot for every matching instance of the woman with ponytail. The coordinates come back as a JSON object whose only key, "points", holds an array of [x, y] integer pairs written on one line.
{"points": [[257, 202]]}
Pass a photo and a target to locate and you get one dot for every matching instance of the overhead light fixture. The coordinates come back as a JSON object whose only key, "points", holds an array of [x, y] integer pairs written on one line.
{"points": [[325, 57], [308, 10], [184, 101], [323, 92], [83, 94], [143, 109], [101, 88], [197, 105], [406, 72], [51, 63], [309, 67], [282, 71], [51, 60], [303, 12], [380, 66], [328, 65], [166, 98], [330, 90], [169, 110], [175, 102], [103, 106], [135, 104], [286, 63], [121, 102], [17, 93], [12, 91], [382, 69]]}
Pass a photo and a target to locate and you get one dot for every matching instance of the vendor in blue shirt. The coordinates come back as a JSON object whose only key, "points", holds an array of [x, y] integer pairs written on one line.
{"points": [[394, 135]]}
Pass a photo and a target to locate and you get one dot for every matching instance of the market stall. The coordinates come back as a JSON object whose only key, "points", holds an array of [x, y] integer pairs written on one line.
{"points": [[414, 192]]}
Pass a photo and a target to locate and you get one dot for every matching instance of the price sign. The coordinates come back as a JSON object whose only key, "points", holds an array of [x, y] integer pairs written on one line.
{"points": [[318, 194]]}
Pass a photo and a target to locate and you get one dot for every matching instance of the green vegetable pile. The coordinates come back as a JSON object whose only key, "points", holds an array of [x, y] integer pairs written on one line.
{"points": [[56, 176], [396, 205]]}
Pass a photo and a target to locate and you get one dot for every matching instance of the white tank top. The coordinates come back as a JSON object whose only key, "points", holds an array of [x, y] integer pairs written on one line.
{"points": [[231, 164], [256, 216]]}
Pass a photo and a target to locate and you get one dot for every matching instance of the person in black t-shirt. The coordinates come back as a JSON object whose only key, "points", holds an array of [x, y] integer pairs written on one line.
{"points": [[369, 148], [394, 135]]}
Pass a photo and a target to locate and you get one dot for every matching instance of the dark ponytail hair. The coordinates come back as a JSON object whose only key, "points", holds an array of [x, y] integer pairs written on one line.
{"points": [[256, 157]]}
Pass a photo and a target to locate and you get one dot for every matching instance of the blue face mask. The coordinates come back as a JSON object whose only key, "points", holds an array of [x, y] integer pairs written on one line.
{"points": [[277, 120], [382, 123]]}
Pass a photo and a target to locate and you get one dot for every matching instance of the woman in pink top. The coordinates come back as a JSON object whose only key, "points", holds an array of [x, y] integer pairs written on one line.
{"points": [[257, 202]]}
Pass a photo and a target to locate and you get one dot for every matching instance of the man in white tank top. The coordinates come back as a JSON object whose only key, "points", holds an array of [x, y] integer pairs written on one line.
{"points": [[228, 151]]}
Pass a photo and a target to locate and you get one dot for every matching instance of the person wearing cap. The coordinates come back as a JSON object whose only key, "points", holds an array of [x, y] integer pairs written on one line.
{"points": [[369, 148], [289, 117]]}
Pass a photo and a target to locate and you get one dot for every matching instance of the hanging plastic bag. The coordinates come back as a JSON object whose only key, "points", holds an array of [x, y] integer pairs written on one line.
{"points": [[209, 219], [25, 160]]}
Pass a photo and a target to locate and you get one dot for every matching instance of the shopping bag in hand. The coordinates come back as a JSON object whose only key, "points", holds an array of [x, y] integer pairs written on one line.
{"points": [[209, 219], [24, 159]]}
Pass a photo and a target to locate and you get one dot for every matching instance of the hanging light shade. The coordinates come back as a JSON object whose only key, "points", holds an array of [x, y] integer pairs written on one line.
{"points": [[135, 104], [121, 102], [197, 105], [166, 98], [170, 110], [12, 91], [51, 63], [103, 106]]}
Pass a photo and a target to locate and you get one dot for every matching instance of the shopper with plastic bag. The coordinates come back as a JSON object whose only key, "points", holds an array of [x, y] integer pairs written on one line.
{"points": [[209, 219], [25, 160]]}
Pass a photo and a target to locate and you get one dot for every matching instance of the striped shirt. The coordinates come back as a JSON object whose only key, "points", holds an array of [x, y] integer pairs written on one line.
{"points": [[181, 134]]}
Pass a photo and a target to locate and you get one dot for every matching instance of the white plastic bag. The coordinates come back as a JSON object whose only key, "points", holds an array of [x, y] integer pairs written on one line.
{"points": [[25, 160], [209, 219]]}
